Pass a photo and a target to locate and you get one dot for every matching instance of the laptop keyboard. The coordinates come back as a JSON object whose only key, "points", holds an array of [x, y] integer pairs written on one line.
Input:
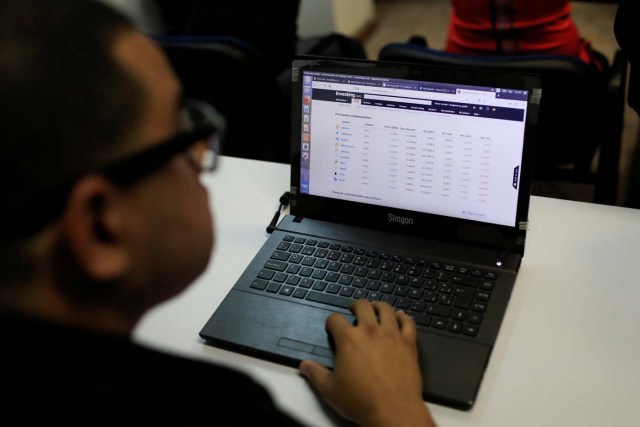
{"points": [[436, 294]]}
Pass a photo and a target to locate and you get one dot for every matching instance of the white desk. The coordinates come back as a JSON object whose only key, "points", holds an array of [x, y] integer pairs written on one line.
{"points": [[567, 353]]}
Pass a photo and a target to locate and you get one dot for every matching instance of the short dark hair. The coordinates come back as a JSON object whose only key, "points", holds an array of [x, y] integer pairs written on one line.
{"points": [[66, 105]]}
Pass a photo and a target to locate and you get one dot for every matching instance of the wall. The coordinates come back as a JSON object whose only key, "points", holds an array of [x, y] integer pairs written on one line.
{"points": [[349, 17]]}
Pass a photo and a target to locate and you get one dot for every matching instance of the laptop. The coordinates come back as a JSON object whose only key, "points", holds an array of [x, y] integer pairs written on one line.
{"points": [[410, 184]]}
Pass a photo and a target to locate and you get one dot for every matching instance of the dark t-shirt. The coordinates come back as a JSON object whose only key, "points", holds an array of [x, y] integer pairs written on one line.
{"points": [[57, 373]]}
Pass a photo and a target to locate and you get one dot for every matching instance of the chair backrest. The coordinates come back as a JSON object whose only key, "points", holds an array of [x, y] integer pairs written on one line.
{"points": [[581, 112], [233, 76]]}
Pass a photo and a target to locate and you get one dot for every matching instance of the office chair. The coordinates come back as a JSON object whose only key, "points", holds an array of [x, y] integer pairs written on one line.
{"points": [[233, 76], [581, 112]]}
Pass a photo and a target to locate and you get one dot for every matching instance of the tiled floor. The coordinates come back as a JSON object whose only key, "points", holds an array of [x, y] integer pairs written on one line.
{"points": [[397, 20]]}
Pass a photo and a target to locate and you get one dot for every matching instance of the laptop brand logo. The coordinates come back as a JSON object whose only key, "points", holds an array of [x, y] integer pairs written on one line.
{"points": [[400, 219]]}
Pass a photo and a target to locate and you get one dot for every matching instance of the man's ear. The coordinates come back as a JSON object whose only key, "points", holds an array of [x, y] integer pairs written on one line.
{"points": [[92, 222]]}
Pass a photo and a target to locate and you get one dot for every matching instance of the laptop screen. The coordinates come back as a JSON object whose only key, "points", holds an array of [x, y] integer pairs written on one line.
{"points": [[432, 147]]}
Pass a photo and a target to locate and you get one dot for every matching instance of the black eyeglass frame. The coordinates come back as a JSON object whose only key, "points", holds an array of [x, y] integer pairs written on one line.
{"points": [[208, 125]]}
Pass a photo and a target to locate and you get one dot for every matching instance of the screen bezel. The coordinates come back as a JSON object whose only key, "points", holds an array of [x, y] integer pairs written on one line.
{"points": [[426, 225]]}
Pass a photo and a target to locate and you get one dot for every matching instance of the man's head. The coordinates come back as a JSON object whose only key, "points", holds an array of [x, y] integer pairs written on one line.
{"points": [[81, 89]]}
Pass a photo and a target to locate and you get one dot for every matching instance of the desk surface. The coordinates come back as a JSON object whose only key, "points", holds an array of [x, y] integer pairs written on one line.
{"points": [[567, 353]]}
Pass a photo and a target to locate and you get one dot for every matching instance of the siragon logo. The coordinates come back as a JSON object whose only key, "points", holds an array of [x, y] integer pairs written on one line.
{"points": [[400, 219]]}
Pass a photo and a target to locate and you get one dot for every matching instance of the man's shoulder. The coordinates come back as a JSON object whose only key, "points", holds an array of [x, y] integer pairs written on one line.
{"points": [[68, 372]]}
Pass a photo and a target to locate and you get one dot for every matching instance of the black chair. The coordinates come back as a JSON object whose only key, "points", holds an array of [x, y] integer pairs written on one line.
{"points": [[234, 77], [581, 112]]}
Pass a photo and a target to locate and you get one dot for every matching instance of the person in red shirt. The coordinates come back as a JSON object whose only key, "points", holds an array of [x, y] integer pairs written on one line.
{"points": [[513, 27]]}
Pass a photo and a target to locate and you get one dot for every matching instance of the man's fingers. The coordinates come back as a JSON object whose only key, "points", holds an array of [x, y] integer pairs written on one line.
{"points": [[364, 312], [386, 315], [407, 326], [316, 374]]}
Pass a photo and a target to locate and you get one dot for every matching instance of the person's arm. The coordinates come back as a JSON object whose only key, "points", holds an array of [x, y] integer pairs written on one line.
{"points": [[376, 379]]}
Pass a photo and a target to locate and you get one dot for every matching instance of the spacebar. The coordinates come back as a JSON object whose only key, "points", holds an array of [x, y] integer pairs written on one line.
{"points": [[329, 299]]}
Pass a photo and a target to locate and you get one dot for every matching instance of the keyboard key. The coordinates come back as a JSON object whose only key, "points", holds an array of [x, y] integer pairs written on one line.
{"points": [[454, 327], [283, 246], [479, 307], [463, 296], [345, 280], [306, 271], [347, 291], [359, 282], [491, 276], [259, 284], [307, 283], [308, 261], [346, 258], [293, 280], [275, 265], [295, 248], [421, 319], [439, 323], [308, 250], [483, 296], [404, 303], [335, 247], [464, 280], [373, 285], [288, 238], [388, 277], [334, 300], [320, 253], [296, 259], [280, 256], [388, 288], [401, 291], [470, 330], [389, 299], [374, 296], [374, 274], [487, 286], [475, 318], [300, 240], [347, 269], [311, 242], [266, 274], [280, 277], [360, 294], [293, 269], [332, 277], [274, 287], [287, 290], [439, 310], [320, 286], [361, 271], [299, 293], [418, 306], [319, 274], [333, 288], [334, 266], [321, 263]]}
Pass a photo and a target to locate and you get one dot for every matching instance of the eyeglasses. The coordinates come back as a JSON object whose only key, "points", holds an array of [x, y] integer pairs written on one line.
{"points": [[200, 139]]}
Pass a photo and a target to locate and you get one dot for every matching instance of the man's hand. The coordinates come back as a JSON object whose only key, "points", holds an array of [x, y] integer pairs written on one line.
{"points": [[376, 379]]}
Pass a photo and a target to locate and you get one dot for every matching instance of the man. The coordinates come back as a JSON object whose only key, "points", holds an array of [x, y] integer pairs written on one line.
{"points": [[103, 216]]}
